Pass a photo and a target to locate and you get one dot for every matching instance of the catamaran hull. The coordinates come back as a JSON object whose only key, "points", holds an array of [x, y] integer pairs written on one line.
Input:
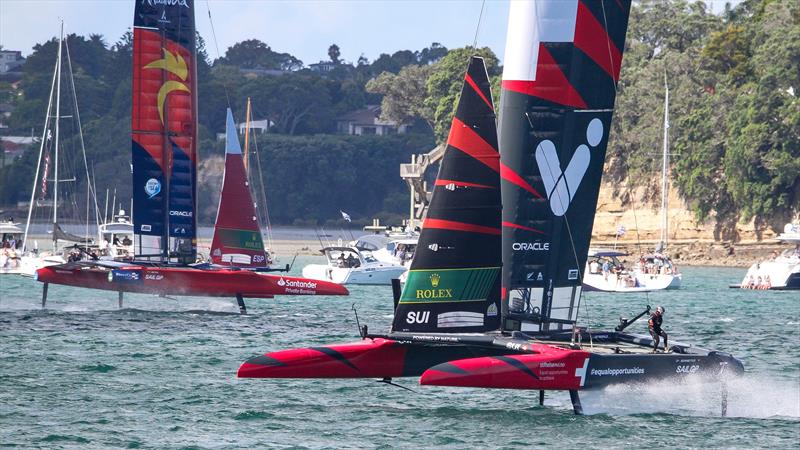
{"points": [[183, 281], [493, 363], [575, 370]]}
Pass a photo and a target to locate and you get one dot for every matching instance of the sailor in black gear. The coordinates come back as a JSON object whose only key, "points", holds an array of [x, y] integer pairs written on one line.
{"points": [[654, 324]]}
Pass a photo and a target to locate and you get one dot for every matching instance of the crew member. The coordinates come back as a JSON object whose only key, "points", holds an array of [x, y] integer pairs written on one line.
{"points": [[654, 324]]}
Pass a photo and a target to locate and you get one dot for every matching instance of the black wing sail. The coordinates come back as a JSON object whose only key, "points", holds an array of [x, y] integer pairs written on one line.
{"points": [[562, 65], [454, 281]]}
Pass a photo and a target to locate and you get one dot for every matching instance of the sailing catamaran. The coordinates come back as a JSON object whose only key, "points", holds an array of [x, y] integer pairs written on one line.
{"points": [[164, 155], [465, 319]]}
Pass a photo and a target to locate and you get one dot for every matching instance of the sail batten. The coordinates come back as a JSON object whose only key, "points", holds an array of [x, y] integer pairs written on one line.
{"points": [[559, 85], [453, 284]]}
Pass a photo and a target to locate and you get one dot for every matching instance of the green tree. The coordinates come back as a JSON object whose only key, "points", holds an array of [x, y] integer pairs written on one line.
{"points": [[334, 53], [404, 94], [443, 85]]}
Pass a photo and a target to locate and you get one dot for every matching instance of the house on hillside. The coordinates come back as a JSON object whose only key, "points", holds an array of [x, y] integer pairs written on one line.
{"points": [[258, 71], [10, 60], [259, 126], [368, 121], [322, 67], [15, 146]]}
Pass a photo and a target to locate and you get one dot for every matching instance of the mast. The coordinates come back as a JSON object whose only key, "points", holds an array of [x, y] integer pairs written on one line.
{"points": [[41, 153], [665, 169], [247, 138], [58, 120]]}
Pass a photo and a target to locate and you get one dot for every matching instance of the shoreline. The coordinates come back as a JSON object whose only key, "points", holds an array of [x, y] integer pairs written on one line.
{"points": [[686, 252]]}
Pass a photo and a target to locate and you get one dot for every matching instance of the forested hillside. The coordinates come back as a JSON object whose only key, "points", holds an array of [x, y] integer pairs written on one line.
{"points": [[734, 82]]}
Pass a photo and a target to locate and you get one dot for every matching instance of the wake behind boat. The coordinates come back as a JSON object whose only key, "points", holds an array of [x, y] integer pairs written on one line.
{"points": [[164, 162], [465, 319]]}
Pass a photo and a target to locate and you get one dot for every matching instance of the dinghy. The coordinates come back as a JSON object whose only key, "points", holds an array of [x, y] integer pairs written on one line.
{"points": [[465, 319], [164, 140]]}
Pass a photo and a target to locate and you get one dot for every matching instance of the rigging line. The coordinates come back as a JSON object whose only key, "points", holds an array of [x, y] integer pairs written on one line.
{"points": [[478, 26], [216, 46], [262, 185], [83, 146], [608, 46]]}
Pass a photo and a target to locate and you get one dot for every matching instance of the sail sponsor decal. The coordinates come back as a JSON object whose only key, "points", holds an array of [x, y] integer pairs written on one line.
{"points": [[449, 285], [125, 276], [617, 371], [459, 319], [152, 187], [183, 3], [297, 286], [561, 185]]}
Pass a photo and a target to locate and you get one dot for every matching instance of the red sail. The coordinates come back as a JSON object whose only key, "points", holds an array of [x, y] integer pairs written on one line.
{"points": [[237, 235]]}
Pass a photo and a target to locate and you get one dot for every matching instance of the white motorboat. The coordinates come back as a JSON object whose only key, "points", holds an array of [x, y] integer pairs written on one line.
{"points": [[349, 265], [779, 272], [10, 253], [393, 248], [656, 271], [117, 237]]}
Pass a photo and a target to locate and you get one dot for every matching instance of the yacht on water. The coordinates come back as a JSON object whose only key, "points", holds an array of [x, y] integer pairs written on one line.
{"points": [[779, 272], [493, 294], [607, 273], [352, 265], [390, 248], [10, 253], [116, 237]]}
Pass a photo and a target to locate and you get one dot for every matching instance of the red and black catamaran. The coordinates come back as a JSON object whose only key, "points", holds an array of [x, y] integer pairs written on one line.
{"points": [[164, 167], [465, 319]]}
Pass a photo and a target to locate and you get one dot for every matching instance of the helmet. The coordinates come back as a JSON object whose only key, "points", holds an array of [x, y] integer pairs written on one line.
{"points": [[660, 309]]}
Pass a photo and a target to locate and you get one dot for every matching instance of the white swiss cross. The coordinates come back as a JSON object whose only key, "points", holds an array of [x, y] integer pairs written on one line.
{"points": [[581, 372]]}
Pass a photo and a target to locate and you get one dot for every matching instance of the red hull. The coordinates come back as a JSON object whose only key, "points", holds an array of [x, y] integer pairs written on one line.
{"points": [[549, 368], [213, 282], [369, 358]]}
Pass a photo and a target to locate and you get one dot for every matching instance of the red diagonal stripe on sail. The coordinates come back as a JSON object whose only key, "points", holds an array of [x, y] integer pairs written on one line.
{"points": [[591, 37], [550, 83], [440, 182], [521, 227], [509, 175], [459, 226], [468, 141], [474, 86]]}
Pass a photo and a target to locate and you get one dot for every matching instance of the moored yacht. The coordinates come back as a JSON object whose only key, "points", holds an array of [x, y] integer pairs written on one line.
{"points": [[781, 271]]}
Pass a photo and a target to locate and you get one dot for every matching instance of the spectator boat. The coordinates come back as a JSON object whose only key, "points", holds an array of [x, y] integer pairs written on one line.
{"points": [[351, 265], [781, 271]]}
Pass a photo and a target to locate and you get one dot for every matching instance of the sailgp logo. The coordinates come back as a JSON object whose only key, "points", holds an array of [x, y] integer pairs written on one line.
{"points": [[561, 186]]}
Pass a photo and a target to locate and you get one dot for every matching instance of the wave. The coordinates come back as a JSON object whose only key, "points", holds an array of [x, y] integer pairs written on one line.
{"points": [[748, 396]]}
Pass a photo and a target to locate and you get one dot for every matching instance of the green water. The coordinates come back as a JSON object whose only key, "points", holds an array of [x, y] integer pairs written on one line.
{"points": [[161, 374]]}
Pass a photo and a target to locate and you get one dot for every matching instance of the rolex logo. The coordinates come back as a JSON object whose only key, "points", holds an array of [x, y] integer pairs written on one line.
{"points": [[435, 279]]}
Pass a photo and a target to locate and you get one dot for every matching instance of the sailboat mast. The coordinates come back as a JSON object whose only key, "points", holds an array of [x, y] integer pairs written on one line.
{"points": [[58, 120], [665, 168], [247, 138], [42, 144]]}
